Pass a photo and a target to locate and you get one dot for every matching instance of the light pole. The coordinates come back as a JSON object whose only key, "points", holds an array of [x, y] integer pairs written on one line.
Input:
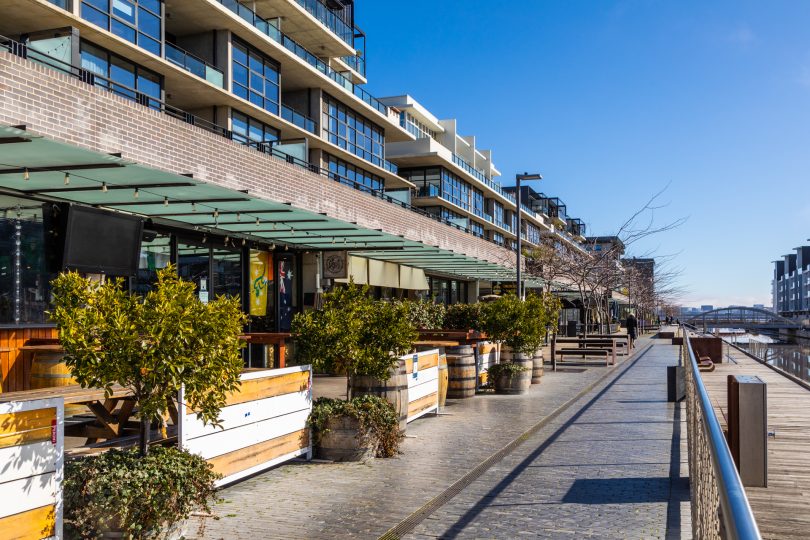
{"points": [[518, 179]]}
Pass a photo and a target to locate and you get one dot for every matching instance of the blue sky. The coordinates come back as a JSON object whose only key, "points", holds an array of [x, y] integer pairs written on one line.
{"points": [[613, 101]]}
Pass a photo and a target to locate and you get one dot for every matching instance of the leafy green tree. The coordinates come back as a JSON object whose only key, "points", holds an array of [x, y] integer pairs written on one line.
{"points": [[520, 324], [354, 334], [151, 345]]}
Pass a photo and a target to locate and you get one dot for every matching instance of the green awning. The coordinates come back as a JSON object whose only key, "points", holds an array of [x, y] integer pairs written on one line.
{"points": [[37, 166]]}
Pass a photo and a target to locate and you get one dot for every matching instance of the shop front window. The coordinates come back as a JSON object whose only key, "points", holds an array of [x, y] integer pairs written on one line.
{"points": [[227, 272], [156, 254], [24, 279]]}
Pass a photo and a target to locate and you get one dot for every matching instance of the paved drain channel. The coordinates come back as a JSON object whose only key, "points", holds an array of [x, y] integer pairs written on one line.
{"points": [[408, 524]]}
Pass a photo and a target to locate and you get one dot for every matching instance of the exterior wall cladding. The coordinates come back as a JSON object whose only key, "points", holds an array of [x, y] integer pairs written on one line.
{"points": [[67, 110], [791, 284]]}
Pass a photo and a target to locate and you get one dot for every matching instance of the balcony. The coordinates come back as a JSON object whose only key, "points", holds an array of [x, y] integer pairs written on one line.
{"points": [[482, 178], [357, 63], [335, 24], [300, 120], [192, 64], [270, 30]]}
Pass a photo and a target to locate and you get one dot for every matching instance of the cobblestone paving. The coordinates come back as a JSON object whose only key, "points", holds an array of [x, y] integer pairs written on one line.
{"points": [[606, 474], [614, 467]]}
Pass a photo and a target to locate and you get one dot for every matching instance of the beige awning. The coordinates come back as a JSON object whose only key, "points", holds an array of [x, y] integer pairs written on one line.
{"points": [[412, 278], [358, 271], [383, 274]]}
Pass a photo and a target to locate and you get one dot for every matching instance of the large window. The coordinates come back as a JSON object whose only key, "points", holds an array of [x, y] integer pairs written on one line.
{"points": [[256, 77], [122, 76], [427, 181], [350, 175], [415, 127], [24, 279], [137, 21], [156, 254], [215, 271], [350, 131], [246, 129], [456, 190]]}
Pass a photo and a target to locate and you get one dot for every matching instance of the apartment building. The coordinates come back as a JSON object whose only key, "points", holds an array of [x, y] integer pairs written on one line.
{"points": [[243, 137], [791, 283]]}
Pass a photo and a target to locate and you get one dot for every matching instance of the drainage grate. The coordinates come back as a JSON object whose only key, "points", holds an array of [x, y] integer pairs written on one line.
{"points": [[571, 369], [408, 524]]}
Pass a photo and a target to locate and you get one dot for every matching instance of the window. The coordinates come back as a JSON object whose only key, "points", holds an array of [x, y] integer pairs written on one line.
{"points": [[24, 280], [137, 21], [415, 127], [156, 253], [350, 131], [356, 177], [246, 130], [456, 190], [256, 77], [427, 181], [122, 76], [498, 214]]}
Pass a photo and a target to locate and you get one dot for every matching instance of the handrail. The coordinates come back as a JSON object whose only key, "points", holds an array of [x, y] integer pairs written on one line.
{"points": [[737, 517]]}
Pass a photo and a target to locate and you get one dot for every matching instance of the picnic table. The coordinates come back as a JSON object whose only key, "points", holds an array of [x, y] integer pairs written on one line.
{"points": [[277, 339], [111, 413]]}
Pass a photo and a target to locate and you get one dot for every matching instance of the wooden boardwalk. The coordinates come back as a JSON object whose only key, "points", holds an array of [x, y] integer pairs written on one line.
{"points": [[782, 509]]}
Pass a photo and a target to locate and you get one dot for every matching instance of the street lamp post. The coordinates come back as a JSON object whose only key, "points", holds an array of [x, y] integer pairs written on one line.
{"points": [[518, 179]]}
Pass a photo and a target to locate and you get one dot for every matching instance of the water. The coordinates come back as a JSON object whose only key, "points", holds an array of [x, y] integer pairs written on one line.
{"points": [[791, 357]]}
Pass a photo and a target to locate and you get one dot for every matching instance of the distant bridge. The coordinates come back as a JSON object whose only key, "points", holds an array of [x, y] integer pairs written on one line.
{"points": [[744, 317]]}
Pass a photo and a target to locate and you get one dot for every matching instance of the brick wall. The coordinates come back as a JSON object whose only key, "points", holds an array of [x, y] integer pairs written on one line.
{"points": [[63, 108]]}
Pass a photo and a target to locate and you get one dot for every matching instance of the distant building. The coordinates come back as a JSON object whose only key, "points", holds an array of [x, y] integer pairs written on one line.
{"points": [[601, 244], [706, 307], [791, 283], [759, 306]]}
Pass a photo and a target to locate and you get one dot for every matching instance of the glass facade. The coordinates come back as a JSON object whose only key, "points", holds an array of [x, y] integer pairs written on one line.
{"points": [[348, 130], [246, 130], [24, 280], [256, 77], [428, 181], [156, 253], [137, 21], [121, 76], [348, 174], [448, 291]]}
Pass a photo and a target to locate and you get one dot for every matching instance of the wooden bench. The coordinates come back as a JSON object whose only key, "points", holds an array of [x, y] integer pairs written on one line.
{"points": [[583, 353], [622, 341], [590, 343]]}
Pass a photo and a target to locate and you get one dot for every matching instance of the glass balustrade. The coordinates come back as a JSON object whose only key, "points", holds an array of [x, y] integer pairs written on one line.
{"points": [[191, 63], [300, 120], [330, 19]]}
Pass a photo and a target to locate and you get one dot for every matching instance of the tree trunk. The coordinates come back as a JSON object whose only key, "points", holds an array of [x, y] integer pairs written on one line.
{"points": [[143, 442]]}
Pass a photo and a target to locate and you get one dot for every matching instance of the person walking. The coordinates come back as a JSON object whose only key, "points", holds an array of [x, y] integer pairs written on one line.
{"points": [[632, 326]]}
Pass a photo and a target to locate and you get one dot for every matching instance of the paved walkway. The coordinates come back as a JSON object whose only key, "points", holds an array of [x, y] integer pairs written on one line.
{"points": [[611, 465]]}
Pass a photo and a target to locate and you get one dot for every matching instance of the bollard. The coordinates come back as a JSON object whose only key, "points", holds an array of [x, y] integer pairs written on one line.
{"points": [[748, 428], [676, 383]]}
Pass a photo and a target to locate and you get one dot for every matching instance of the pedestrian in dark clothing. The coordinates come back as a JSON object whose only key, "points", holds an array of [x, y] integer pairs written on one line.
{"points": [[632, 326]]}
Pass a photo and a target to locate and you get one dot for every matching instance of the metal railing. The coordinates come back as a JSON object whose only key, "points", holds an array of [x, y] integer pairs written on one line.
{"points": [[720, 507], [301, 120]]}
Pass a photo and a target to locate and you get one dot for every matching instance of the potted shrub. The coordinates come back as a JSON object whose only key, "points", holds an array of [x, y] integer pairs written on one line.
{"points": [[151, 345], [363, 338], [354, 430], [545, 308], [510, 377]]}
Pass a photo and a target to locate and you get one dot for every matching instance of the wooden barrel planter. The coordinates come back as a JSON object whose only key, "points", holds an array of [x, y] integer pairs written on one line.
{"points": [[395, 390], [518, 383], [461, 372], [443, 380], [49, 370], [341, 441], [537, 366]]}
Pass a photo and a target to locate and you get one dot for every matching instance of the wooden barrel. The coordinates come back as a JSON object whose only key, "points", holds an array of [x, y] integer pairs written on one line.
{"points": [[461, 372], [395, 390], [537, 366], [49, 370], [520, 382], [443, 379], [341, 441]]}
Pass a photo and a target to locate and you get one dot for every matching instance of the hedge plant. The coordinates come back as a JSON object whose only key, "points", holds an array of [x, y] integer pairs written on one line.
{"points": [[464, 317], [138, 496], [425, 314], [377, 417]]}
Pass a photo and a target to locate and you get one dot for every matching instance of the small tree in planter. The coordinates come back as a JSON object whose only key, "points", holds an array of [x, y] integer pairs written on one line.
{"points": [[363, 338], [152, 346], [510, 321]]}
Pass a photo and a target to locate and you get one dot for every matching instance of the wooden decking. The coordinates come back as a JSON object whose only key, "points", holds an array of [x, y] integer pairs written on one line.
{"points": [[782, 509]]}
